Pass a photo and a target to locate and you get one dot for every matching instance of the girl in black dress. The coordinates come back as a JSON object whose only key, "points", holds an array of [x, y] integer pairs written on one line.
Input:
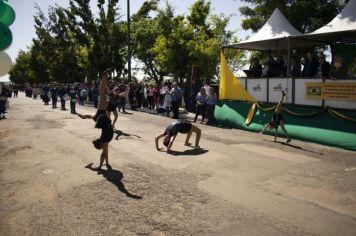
{"points": [[103, 122]]}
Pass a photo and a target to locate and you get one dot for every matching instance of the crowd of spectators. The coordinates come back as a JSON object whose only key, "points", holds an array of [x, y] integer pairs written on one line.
{"points": [[165, 99], [310, 67]]}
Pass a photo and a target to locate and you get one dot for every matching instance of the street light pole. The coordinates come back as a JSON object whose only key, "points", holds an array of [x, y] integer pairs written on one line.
{"points": [[129, 40]]}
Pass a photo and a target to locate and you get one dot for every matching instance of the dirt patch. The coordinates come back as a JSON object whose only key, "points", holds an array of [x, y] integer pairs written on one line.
{"points": [[12, 151], [40, 122], [141, 201]]}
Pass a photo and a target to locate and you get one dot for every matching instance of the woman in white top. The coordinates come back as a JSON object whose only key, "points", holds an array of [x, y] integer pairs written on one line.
{"points": [[167, 102]]}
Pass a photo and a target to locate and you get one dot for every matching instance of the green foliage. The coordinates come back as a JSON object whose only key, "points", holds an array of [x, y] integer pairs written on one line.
{"points": [[193, 40], [73, 44], [21, 71]]}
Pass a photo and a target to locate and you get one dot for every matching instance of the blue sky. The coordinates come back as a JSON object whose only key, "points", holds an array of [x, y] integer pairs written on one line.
{"points": [[23, 28]]}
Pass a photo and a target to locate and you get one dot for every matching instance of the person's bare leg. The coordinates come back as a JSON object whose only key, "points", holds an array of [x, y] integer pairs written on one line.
{"points": [[198, 135], [101, 160], [188, 137], [106, 152], [116, 115], [285, 131], [102, 93], [264, 128]]}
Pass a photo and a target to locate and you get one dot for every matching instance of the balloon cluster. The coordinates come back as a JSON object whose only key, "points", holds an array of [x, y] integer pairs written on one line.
{"points": [[7, 17]]}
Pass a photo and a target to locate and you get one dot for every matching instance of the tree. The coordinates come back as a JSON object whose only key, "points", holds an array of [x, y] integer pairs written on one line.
{"points": [[42, 51], [21, 71], [104, 37], [146, 30], [194, 40]]}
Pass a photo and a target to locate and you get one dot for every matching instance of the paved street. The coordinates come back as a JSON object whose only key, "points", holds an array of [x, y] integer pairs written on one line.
{"points": [[240, 183]]}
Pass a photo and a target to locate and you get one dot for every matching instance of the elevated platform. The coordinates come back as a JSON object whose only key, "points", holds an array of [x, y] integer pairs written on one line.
{"points": [[303, 123]]}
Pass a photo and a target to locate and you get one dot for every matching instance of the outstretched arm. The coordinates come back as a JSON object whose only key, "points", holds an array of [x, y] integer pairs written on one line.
{"points": [[171, 143], [158, 137], [264, 128], [85, 116]]}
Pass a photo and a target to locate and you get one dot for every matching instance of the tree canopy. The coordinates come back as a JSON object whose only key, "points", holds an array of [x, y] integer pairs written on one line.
{"points": [[73, 44]]}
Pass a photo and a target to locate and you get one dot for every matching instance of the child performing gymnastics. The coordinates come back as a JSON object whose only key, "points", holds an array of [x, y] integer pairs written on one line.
{"points": [[171, 133], [277, 119], [103, 122]]}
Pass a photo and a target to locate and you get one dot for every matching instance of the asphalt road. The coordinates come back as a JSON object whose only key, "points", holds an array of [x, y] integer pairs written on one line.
{"points": [[240, 183]]}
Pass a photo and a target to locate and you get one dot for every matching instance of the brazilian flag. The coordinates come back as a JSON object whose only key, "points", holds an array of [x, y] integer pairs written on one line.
{"points": [[314, 91]]}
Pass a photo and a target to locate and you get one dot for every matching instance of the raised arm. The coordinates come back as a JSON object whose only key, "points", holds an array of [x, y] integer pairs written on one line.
{"points": [[171, 143], [158, 137]]}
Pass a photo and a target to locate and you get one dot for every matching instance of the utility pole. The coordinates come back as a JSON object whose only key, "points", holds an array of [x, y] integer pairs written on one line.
{"points": [[128, 40]]}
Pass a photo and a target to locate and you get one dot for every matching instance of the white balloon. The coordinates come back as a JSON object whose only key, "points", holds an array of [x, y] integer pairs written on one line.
{"points": [[5, 63]]}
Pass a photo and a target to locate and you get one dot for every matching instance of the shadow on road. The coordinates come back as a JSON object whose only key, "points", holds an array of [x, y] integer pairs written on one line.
{"points": [[115, 177], [190, 152], [120, 133], [295, 146]]}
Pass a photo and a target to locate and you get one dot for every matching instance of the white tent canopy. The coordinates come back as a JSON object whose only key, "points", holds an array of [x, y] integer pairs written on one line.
{"points": [[274, 35], [341, 29]]}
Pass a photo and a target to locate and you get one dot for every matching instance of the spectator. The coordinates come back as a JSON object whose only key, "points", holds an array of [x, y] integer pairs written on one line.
{"points": [[338, 70], [175, 97], [61, 94], [255, 68], [73, 99], [193, 94], [167, 101], [206, 86], [3, 100], [310, 66], [122, 96], [272, 67], [323, 67], [54, 95], [352, 69], [146, 91], [150, 97], [95, 94], [132, 96], [296, 67], [156, 95], [201, 104], [281, 67], [45, 92], [265, 69], [186, 96], [210, 106]]}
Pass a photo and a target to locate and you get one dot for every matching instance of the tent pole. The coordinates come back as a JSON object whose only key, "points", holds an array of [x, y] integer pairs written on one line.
{"points": [[289, 57]]}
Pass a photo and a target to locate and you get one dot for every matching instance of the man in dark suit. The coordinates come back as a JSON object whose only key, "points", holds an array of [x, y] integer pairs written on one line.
{"points": [[310, 66], [323, 66]]}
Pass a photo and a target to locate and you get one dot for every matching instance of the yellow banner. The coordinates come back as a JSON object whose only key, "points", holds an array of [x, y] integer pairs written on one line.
{"points": [[331, 91], [230, 87]]}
